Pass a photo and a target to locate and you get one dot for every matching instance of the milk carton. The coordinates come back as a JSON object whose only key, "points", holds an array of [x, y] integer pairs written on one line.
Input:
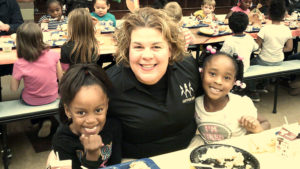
{"points": [[287, 143]]}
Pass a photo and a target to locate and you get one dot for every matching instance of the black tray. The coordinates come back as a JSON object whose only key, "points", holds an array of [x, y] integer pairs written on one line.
{"points": [[199, 151]]}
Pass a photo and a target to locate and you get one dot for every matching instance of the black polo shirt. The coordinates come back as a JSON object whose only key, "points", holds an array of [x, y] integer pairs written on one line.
{"points": [[150, 126]]}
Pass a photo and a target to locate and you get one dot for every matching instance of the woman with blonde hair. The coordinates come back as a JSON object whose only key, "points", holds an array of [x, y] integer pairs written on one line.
{"points": [[155, 85], [81, 45]]}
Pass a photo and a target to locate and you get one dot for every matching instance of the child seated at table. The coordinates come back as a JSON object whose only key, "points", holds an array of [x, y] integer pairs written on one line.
{"points": [[81, 45], [274, 39], [207, 10], [54, 16], [240, 43], [86, 135], [242, 6], [221, 114], [39, 68], [174, 11], [100, 13]]}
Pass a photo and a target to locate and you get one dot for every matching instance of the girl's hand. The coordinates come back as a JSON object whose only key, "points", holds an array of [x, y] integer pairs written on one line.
{"points": [[45, 21], [92, 145], [251, 124], [95, 20]]}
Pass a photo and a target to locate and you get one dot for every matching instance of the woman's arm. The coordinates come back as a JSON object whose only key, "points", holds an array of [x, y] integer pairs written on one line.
{"points": [[14, 84]]}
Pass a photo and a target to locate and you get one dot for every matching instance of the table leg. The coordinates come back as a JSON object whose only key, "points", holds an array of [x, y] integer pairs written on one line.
{"points": [[4, 148], [275, 96]]}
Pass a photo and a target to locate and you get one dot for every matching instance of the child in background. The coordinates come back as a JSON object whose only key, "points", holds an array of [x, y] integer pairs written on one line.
{"points": [[174, 11], [275, 38], [101, 7], [81, 45], [86, 136], [39, 68], [207, 10], [242, 6], [54, 18], [240, 43], [221, 114]]}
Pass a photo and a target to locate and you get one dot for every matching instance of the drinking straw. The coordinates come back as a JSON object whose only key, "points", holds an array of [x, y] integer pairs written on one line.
{"points": [[285, 119]]}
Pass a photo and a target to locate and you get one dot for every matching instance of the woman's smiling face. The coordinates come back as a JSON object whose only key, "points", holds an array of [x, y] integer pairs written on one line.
{"points": [[149, 54]]}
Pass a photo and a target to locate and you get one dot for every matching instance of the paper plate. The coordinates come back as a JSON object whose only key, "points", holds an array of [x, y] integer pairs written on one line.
{"points": [[198, 152]]}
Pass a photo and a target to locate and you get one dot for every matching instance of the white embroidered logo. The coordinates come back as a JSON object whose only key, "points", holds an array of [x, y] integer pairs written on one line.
{"points": [[187, 91]]}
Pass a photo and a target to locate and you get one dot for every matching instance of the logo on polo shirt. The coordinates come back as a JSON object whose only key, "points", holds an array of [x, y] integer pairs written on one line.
{"points": [[187, 91]]}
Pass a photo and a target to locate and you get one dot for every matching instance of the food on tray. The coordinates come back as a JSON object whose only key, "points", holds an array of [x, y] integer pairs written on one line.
{"points": [[206, 30], [226, 156], [138, 165]]}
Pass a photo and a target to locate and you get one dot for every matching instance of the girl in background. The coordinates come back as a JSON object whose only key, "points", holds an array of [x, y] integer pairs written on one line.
{"points": [[81, 45], [100, 12], [54, 18], [221, 114], [39, 68], [242, 6], [86, 136]]}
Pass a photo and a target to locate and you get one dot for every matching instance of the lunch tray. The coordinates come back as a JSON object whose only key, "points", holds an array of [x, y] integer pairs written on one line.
{"points": [[9, 42], [201, 150], [150, 163], [196, 26], [254, 30], [222, 33]]}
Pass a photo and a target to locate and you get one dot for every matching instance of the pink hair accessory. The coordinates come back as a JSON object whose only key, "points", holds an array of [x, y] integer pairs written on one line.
{"points": [[240, 84], [243, 86], [213, 51], [209, 47], [200, 69], [240, 58]]}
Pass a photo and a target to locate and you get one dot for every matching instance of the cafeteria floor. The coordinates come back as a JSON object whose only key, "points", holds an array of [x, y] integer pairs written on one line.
{"points": [[25, 157]]}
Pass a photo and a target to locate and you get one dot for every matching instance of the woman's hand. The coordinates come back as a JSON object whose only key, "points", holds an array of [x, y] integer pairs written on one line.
{"points": [[92, 145], [251, 124]]}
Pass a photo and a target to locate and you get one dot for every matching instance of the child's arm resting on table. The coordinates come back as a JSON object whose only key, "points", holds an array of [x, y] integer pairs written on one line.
{"points": [[253, 125]]}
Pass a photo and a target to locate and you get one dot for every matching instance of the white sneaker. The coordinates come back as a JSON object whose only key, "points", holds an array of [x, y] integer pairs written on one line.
{"points": [[45, 129]]}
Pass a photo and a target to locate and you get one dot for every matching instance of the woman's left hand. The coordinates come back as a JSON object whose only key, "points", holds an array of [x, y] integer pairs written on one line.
{"points": [[251, 124]]}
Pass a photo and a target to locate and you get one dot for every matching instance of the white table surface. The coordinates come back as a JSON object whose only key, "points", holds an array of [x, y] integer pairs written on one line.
{"points": [[181, 159]]}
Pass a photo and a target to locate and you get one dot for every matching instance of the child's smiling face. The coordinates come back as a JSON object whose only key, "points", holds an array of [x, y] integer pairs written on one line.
{"points": [[245, 4], [101, 7], [218, 77], [54, 10], [88, 110], [207, 9]]}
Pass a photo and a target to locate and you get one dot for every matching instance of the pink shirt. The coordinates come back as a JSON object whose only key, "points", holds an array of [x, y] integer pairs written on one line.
{"points": [[40, 79], [238, 9]]}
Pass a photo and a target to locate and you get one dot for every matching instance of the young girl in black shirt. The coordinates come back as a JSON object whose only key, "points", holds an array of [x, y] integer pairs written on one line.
{"points": [[86, 137]]}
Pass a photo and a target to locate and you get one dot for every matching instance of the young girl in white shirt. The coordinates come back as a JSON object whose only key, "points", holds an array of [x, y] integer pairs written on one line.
{"points": [[221, 114]]}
